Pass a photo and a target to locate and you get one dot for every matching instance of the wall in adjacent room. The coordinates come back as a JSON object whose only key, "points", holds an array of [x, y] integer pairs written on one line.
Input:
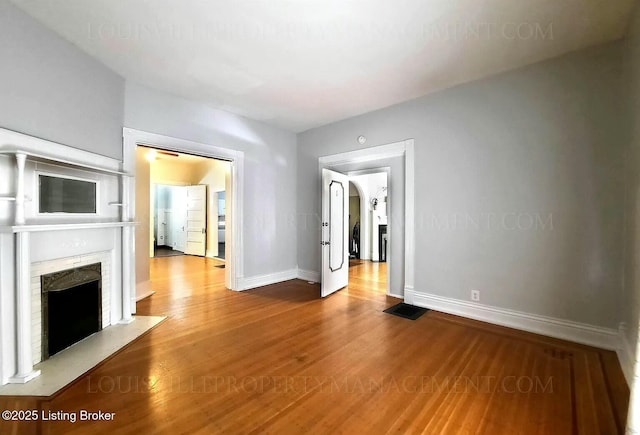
{"points": [[173, 171], [519, 183], [143, 216]]}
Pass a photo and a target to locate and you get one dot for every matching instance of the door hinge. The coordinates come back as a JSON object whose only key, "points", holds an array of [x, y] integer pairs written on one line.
{"points": [[325, 243]]}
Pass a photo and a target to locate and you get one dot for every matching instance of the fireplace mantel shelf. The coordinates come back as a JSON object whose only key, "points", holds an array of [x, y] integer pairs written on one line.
{"points": [[46, 158], [31, 228]]}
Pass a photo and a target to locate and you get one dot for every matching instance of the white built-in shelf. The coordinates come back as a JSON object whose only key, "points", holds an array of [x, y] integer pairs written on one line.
{"points": [[32, 228], [13, 198], [45, 158]]}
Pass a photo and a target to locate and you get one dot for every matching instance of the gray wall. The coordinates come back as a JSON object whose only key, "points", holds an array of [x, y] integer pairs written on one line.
{"points": [[52, 90], [632, 235], [537, 142], [270, 168]]}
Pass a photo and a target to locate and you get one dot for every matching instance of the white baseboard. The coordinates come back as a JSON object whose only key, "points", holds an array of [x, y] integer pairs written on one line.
{"points": [[144, 295], [143, 290], [308, 275], [394, 295], [262, 280], [603, 338], [626, 355]]}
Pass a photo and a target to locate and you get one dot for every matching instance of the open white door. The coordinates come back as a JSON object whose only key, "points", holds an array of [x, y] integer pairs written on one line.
{"points": [[335, 232], [196, 223]]}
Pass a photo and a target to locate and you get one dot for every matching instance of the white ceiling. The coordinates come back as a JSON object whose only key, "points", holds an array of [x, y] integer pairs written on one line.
{"points": [[299, 64]]}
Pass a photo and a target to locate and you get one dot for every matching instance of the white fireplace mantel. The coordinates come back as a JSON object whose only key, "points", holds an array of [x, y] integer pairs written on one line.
{"points": [[33, 228], [23, 232]]}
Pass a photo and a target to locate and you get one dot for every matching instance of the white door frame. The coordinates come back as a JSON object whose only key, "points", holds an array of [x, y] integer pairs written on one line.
{"points": [[363, 211], [132, 138], [403, 149]]}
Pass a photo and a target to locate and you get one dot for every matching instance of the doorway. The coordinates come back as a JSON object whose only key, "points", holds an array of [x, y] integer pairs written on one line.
{"points": [[355, 244], [169, 216], [369, 211], [399, 157], [184, 196], [361, 236], [221, 198], [137, 191]]}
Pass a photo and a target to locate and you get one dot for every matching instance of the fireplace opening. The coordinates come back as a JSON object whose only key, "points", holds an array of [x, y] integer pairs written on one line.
{"points": [[71, 307]]}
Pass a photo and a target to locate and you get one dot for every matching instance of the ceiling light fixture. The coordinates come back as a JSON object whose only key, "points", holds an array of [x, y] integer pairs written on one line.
{"points": [[152, 155]]}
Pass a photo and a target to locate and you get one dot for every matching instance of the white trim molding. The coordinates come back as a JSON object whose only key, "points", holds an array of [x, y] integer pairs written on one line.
{"points": [[582, 333], [308, 275], [396, 149], [268, 279]]}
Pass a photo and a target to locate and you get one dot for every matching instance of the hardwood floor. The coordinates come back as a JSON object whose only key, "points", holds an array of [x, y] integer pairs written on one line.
{"points": [[280, 360]]}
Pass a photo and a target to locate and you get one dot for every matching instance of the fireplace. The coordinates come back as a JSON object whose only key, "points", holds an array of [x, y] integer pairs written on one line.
{"points": [[71, 307], [37, 241]]}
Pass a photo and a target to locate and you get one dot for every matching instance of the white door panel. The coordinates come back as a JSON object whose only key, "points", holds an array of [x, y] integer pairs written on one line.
{"points": [[335, 232], [196, 220]]}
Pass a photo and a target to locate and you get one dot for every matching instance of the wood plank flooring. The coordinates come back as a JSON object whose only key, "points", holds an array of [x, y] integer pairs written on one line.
{"points": [[281, 360]]}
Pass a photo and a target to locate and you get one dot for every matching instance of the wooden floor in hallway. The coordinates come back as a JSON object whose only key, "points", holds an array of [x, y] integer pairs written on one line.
{"points": [[281, 360]]}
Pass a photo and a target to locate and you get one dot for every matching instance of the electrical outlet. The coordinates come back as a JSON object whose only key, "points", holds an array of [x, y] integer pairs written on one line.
{"points": [[475, 295]]}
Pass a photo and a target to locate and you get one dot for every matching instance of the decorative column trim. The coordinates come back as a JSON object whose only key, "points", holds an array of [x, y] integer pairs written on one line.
{"points": [[25, 371], [128, 274], [19, 205], [409, 215]]}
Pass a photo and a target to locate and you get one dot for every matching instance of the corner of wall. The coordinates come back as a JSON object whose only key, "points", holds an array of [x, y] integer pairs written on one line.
{"points": [[625, 352], [308, 275]]}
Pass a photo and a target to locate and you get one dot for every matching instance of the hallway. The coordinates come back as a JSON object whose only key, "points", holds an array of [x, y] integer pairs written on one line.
{"points": [[368, 275]]}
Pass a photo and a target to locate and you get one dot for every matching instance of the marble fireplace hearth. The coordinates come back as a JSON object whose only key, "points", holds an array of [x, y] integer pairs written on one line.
{"points": [[63, 368]]}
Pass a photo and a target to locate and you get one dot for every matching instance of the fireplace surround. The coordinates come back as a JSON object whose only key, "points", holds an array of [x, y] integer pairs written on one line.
{"points": [[34, 244]]}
